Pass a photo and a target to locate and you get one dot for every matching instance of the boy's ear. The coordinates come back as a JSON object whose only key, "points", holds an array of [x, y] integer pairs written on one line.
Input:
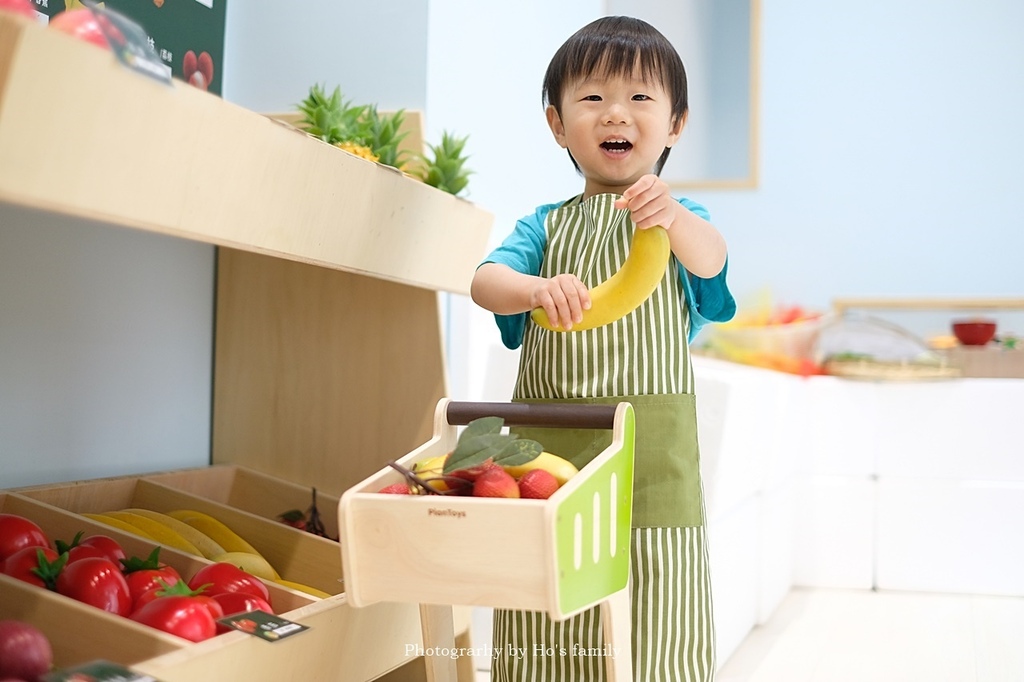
{"points": [[555, 123], [677, 129]]}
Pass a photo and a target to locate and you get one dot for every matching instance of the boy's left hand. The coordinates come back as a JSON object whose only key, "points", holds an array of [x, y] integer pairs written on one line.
{"points": [[650, 202]]}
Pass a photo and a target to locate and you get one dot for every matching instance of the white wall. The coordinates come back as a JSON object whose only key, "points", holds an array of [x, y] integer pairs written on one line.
{"points": [[890, 152], [373, 51], [105, 350], [890, 149]]}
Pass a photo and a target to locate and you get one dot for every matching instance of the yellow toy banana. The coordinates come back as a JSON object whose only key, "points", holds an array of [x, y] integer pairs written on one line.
{"points": [[118, 524], [624, 291], [253, 564], [214, 529], [158, 531], [562, 469], [432, 469], [204, 543], [304, 588]]}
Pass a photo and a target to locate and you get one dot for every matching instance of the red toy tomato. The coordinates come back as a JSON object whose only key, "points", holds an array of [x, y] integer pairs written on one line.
{"points": [[17, 532], [146, 574], [238, 602], [84, 552], [27, 564], [188, 617], [225, 577], [97, 582], [107, 545], [149, 579], [96, 545], [159, 591]]}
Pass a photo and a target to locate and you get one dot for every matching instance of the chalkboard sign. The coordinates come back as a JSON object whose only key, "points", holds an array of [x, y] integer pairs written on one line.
{"points": [[187, 35]]}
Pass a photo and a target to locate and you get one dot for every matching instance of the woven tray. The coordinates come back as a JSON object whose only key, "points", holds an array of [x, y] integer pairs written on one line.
{"points": [[876, 370]]}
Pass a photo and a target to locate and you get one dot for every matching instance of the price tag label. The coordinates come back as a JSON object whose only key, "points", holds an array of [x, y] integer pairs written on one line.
{"points": [[130, 43], [263, 625]]}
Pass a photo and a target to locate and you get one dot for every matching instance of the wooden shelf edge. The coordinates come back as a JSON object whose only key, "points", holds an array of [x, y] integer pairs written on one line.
{"points": [[921, 303], [83, 136]]}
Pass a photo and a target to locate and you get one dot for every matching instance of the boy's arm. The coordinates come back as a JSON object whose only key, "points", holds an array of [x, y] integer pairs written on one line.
{"points": [[504, 291], [500, 289], [696, 243]]}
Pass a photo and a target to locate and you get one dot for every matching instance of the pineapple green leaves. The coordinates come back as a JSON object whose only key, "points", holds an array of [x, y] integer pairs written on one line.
{"points": [[362, 130], [337, 121], [446, 170], [383, 135], [330, 118]]}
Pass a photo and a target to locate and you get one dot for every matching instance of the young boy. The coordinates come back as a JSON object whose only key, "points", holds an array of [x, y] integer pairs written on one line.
{"points": [[616, 100]]}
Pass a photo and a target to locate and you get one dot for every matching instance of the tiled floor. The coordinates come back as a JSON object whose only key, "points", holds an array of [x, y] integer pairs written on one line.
{"points": [[860, 636]]}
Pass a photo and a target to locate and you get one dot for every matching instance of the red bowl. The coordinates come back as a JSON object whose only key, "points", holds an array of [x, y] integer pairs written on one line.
{"points": [[974, 332]]}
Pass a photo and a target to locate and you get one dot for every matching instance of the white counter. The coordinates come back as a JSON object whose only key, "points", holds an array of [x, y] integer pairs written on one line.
{"points": [[829, 482]]}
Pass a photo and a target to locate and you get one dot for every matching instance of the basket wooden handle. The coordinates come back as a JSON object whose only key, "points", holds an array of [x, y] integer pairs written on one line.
{"points": [[527, 414]]}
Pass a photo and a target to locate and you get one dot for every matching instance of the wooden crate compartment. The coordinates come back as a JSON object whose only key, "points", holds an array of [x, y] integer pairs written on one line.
{"points": [[250, 490], [559, 555], [373, 640], [79, 633], [342, 643], [60, 524], [296, 555]]}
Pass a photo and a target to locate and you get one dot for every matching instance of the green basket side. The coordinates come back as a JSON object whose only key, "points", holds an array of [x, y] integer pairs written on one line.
{"points": [[585, 576]]}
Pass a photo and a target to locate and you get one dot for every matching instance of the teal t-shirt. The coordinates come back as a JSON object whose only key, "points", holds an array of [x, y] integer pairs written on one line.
{"points": [[709, 299]]}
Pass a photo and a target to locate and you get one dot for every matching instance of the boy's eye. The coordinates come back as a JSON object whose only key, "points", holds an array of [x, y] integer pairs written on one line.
{"points": [[640, 98], [592, 98]]}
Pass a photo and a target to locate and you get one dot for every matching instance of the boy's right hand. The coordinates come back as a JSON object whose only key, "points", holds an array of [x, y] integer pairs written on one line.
{"points": [[563, 297]]}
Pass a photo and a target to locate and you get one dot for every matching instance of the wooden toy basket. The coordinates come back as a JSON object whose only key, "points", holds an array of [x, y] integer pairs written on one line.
{"points": [[561, 555]]}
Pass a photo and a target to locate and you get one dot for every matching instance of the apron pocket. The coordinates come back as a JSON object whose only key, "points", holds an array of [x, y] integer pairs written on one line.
{"points": [[667, 490]]}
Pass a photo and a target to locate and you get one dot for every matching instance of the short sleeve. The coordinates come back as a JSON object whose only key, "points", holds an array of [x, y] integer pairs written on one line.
{"points": [[709, 299]]}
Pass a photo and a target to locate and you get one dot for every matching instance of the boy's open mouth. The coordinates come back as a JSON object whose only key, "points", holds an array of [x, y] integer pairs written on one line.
{"points": [[617, 145]]}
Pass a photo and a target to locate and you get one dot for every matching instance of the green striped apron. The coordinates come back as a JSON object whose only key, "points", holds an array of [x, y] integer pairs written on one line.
{"points": [[643, 358]]}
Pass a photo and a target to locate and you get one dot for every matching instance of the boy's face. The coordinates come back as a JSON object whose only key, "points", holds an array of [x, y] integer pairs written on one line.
{"points": [[616, 128]]}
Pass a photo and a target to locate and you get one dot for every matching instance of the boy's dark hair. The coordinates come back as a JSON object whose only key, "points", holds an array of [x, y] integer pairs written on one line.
{"points": [[613, 46]]}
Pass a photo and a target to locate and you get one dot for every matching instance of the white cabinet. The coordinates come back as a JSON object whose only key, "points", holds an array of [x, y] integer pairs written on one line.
{"points": [[827, 482]]}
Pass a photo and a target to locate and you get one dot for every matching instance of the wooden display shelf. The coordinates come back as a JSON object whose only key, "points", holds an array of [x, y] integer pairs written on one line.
{"points": [[176, 160], [992, 361], [328, 348]]}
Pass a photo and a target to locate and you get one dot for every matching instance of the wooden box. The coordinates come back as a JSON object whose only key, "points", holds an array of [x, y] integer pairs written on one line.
{"points": [[296, 555], [560, 555], [251, 491], [364, 644]]}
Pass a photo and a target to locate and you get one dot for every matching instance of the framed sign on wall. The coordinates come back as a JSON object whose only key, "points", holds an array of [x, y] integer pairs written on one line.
{"points": [[719, 44], [187, 35]]}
